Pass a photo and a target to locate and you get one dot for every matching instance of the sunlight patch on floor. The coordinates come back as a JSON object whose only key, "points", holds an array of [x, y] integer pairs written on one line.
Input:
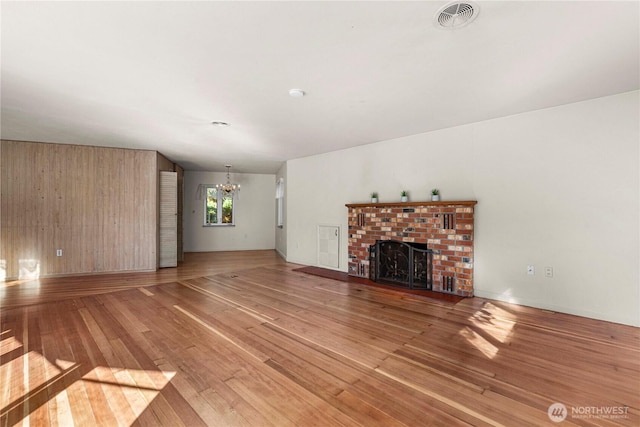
{"points": [[8, 345], [64, 364], [491, 319], [19, 379], [27, 376], [479, 342]]}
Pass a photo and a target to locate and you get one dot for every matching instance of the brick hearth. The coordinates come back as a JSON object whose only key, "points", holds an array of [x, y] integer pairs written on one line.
{"points": [[446, 228]]}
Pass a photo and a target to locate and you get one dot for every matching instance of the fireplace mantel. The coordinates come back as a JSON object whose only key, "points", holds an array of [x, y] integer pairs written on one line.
{"points": [[445, 226], [413, 204]]}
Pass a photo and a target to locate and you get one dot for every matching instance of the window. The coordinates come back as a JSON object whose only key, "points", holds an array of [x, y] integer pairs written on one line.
{"points": [[218, 207], [280, 202]]}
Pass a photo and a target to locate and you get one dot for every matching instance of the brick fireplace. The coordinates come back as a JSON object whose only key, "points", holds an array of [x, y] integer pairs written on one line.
{"points": [[445, 227]]}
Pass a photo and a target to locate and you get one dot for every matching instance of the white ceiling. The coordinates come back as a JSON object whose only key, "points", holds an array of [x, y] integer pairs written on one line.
{"points": [[154, 75]]}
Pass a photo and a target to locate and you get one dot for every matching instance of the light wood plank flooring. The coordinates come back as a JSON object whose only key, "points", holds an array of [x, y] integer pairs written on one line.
{"points": [[241, 339]]}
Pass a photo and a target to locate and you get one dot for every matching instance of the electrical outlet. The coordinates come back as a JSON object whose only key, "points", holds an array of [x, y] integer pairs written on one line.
{"points": [[548, 272], [59, 252], [531, 270]]}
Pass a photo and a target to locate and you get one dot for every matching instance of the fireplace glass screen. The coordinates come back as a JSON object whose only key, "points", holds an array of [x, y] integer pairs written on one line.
{"points": [[401, 263]]}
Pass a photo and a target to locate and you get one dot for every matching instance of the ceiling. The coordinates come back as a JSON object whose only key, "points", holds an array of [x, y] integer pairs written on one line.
{"points": [[154, 75]]}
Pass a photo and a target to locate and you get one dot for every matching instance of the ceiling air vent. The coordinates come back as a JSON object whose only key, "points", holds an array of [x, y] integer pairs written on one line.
{"points": [[456, 15]]}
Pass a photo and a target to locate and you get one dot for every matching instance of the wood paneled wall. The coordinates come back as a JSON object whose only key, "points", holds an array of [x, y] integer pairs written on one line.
{"points": [[99, 205]]}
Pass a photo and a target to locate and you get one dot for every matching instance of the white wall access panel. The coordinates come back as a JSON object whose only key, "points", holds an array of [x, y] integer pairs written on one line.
{"points": [[329, 246]]}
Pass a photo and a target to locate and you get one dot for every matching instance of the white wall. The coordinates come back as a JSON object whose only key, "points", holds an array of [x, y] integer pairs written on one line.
{"points": [[558, 187], [254, 210]]}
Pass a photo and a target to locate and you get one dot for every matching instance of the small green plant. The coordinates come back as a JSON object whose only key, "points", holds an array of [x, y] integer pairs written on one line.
{"points": [[435, 192], [404, 193], [374, 195]]}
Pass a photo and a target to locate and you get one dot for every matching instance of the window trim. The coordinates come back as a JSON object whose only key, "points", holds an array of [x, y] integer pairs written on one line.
{"points": [[220, 198], [280, 203]]}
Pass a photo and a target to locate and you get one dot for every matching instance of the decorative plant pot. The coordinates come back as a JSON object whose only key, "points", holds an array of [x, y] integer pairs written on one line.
{"points": [[435, 197], [374, 200], [404, 199]]}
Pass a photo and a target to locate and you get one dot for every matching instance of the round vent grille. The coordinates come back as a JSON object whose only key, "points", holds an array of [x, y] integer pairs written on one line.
{"points": [[456, 15]]}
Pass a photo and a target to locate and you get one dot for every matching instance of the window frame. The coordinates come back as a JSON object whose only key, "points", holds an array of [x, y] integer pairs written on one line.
{"points": [[219, 211], [280, 203]]}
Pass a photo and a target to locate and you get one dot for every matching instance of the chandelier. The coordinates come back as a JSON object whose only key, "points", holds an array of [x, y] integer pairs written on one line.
{"points": [[228, 189]]}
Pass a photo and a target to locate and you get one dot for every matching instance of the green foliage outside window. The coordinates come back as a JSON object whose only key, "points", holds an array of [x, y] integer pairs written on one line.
{"points": [[212, 214], [212, 207], [227, 210]]}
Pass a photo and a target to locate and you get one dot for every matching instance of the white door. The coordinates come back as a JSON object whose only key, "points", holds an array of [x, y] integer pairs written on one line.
{"points": [[329, 246], [168, 219]]}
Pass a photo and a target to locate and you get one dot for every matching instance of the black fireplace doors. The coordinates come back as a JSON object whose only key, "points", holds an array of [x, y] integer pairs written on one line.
{"points": [[409, 265]]}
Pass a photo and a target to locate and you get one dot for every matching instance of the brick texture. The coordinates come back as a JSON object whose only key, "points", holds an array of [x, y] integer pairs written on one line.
{"points": [[446, 228]]}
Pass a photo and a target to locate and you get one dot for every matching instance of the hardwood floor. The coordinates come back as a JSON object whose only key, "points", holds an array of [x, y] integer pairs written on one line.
{"points": [[241, 339]]}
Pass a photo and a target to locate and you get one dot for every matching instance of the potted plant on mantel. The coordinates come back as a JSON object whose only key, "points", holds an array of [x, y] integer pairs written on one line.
{"points": [[435, 195], [404, 196], [374, 197]]}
